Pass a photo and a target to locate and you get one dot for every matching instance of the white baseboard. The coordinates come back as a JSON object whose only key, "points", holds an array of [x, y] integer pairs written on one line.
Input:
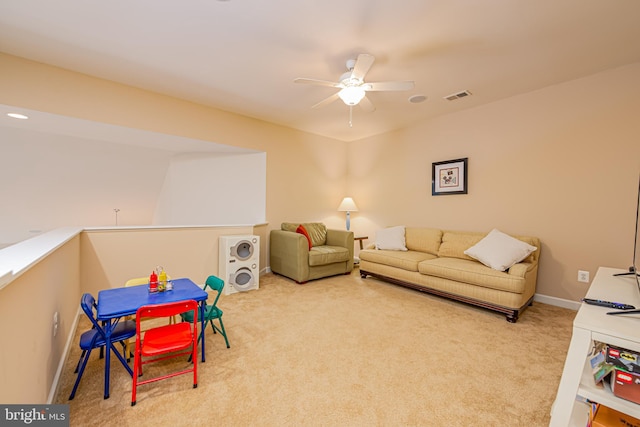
{"points": [[63, 358], [558, 302]]}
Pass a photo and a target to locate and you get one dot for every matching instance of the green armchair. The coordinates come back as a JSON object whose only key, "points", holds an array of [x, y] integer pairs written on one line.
{"points": [[331, 251]]}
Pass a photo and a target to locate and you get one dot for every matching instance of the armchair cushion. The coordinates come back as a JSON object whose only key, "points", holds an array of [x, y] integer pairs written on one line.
{"points": [[317, 231], [322, 255]]}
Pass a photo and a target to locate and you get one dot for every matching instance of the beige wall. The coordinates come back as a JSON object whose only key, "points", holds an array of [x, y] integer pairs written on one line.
{"points": [[306, 174], [561, 163], [29, 354], [111, 257]]}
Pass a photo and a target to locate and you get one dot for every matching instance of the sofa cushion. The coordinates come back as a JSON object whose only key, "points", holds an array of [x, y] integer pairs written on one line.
{"points": [[474, 273], [317, 231], [408, 260], [391, 239], [324, 254], [305, 233], [454, 243], [423, 239], [499, 250]]}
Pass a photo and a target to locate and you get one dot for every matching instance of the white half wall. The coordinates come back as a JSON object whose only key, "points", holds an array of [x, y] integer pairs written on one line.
{"points": [[49, 181], [58, 171], [213, 188]]}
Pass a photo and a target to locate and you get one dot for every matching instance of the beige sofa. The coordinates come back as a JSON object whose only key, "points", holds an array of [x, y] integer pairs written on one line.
{"points": [[435, 262], [331, 252]]}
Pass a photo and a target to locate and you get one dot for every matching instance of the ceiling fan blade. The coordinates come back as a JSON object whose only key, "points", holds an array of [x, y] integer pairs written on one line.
{"points": [[317, 82], [326, 101], [386, 86], [367, 105], [363, 64]]}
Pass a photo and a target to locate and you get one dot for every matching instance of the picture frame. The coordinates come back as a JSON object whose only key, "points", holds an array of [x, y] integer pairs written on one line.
{"points": [[449, 177]]}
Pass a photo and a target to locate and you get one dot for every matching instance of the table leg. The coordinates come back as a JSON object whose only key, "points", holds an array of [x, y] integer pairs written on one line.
{"points": [[107, 357], [202, 325], [108, 328]]}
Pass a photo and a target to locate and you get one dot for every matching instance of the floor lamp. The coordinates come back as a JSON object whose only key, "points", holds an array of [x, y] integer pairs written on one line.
{"points": [[348, 206]]}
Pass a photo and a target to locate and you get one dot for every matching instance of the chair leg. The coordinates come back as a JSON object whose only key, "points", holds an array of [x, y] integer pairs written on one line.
{"points": [[135, 379], [139, 365], [122, 359], [80, 361], [200, 337], [215, 330], [137, 372], [126, 349], [194, 357], [86, 353], [222, 331]]}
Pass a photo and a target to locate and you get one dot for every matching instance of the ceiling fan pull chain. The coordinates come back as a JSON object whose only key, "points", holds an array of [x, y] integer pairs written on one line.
{"points": [[350, 116]]}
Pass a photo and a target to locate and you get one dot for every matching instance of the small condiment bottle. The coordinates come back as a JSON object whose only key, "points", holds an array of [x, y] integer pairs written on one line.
{"points": [[153, 282], [162, 278], [162, 281]]}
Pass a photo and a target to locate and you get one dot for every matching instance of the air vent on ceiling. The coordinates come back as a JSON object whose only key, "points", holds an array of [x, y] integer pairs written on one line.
{"points": [[458, 95]]}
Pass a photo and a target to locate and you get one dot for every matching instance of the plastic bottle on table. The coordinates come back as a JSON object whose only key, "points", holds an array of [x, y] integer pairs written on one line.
{"points": [[168, 286], [153, 282], [162, 279]]}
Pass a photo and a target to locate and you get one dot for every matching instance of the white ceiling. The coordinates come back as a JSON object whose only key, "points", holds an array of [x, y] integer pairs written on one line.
{"points": [[243, 55]]}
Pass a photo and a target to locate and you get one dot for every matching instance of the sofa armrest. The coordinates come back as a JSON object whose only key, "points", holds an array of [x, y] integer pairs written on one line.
{"points": [[341, 238], [521, 269], [289, 254]]}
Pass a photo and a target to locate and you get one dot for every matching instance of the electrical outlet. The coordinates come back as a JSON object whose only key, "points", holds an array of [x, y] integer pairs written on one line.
{"points": [[55, 323], [583, 276]]}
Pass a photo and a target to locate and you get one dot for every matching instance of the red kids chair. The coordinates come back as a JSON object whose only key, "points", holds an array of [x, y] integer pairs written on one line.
{"points": [[165, 342]]}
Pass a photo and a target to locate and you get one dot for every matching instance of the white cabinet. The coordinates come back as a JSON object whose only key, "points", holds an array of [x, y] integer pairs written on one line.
{"points": [[593, 324]]}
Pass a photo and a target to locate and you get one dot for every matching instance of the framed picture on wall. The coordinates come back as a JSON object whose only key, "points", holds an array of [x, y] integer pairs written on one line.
{"points": [[449, 177]]}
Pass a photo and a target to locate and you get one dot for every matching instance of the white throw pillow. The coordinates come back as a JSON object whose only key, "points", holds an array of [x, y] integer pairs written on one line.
{"points": [[499, 250], [391, 239]]}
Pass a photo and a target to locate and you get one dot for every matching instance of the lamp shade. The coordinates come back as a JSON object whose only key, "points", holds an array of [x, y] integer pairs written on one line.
{"points": [[347, 205]]}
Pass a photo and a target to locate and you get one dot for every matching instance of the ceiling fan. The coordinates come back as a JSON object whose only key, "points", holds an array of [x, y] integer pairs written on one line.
{"points": [[352, 86]]}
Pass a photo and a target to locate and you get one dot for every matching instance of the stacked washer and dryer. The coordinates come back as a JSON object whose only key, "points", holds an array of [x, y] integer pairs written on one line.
{"points": [[239, 263]]}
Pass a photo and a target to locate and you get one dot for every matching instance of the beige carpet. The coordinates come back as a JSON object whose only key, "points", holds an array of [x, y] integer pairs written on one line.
{"points": [[347, 352]]}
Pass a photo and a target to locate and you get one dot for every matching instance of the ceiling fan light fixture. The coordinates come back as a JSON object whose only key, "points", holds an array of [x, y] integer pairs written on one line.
{"points": [[353, 88], [351, 95]]}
